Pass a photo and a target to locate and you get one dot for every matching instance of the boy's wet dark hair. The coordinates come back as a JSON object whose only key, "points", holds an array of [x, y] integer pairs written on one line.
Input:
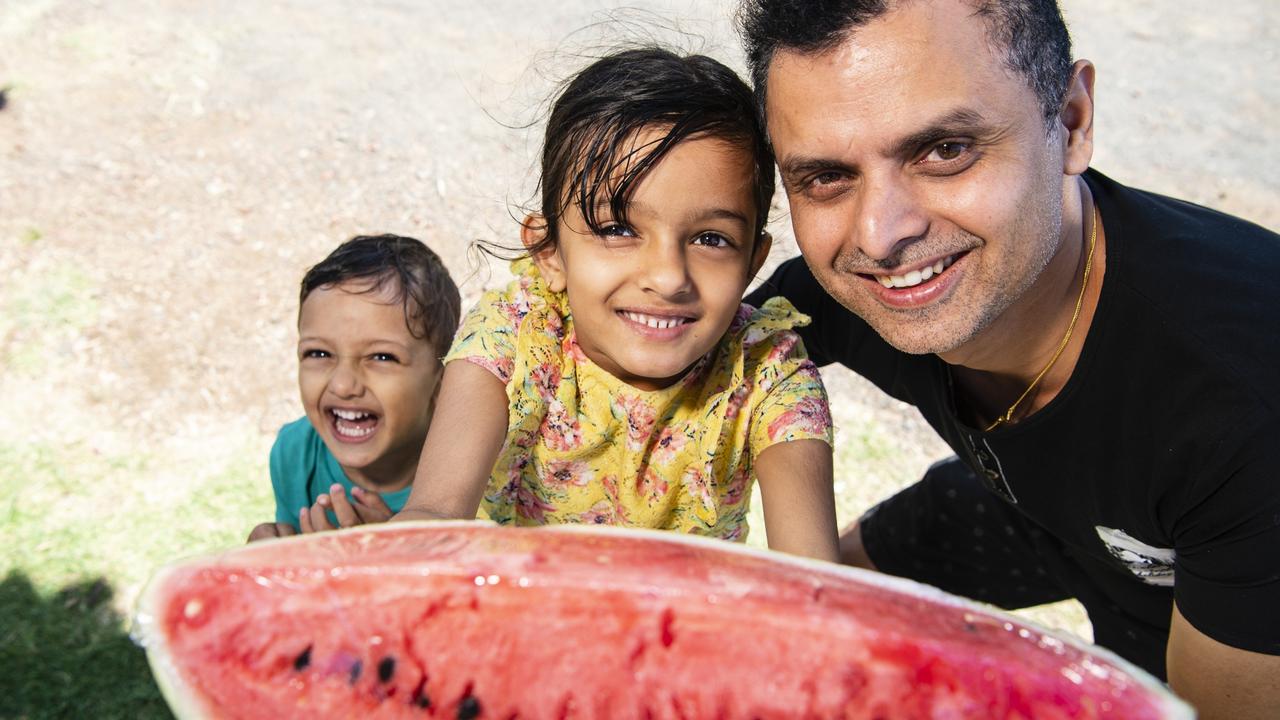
{"points": [[587, 157], [1030, 33], [432, 306]]}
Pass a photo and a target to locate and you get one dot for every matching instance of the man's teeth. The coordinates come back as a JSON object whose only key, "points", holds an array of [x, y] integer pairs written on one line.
{"points": [[350, 414], [658, 323], [915, 277]]}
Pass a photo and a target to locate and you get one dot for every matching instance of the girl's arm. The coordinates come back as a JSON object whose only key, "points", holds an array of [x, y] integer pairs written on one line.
{"points": [[466, 435], [797, 491]]}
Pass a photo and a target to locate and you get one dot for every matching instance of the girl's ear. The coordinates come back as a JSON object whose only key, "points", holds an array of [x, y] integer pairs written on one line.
{"points": [[760, 253], [533, 231]]}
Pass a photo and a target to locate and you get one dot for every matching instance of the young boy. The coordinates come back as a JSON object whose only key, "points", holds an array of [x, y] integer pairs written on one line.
{"points": [[374, 319]]}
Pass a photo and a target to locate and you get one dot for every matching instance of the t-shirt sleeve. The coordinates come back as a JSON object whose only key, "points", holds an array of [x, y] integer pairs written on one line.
{"points": [[1227, 562], [290, 469], [794, 403], [488, 334]]}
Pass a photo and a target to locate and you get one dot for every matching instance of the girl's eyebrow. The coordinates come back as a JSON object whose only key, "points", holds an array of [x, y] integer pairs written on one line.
{"points": [[700, 215]]}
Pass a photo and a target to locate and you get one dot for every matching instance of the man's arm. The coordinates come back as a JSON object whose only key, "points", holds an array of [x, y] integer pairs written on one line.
{"points": [[1221, 681]]}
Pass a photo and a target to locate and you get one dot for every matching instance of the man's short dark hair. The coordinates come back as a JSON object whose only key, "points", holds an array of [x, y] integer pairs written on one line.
{"points": [[1031, 33], [432, 306]]}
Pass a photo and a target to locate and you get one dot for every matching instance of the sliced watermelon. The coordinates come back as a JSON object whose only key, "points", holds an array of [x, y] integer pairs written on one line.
{"points": [[471, 620]]}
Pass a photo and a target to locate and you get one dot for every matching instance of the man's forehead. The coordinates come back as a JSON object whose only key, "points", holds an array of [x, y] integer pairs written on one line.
{"points": [[897, 75]]}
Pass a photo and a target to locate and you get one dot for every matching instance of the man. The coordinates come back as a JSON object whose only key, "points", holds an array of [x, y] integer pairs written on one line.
{"points": [[1102, 360]]}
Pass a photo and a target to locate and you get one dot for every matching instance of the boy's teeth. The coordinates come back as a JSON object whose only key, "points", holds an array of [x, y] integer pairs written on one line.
{"points": [[654, 322], [915, 277], [350, 414]]}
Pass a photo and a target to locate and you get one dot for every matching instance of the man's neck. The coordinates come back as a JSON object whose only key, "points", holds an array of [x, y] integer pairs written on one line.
{"points": [[995, 368]]}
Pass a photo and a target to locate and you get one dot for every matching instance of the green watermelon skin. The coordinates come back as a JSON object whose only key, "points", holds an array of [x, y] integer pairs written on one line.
{"points": [[471, 620]]}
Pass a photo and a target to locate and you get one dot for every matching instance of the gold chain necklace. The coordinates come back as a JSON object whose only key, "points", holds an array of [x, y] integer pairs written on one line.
{"points": [[1075, 315]]}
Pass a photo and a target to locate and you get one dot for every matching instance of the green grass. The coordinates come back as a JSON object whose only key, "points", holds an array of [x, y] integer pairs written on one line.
{"points": [[82, 534]]}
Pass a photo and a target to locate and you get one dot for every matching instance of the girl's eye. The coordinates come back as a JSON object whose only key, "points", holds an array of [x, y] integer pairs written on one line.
{"points": [[384, 357], [315, 354], [615, 230], [711, 239], [947, 151]]}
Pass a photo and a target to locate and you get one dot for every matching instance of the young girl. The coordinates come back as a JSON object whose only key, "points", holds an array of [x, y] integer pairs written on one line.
{"points": [[619, 379]]}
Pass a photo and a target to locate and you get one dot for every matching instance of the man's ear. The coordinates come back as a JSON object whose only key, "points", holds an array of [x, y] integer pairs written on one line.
{"points": [[760, 253], [533, 231], [1076, 119]]}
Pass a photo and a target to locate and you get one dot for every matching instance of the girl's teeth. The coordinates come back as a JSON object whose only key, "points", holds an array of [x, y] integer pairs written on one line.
{"points": [[915, 277], [350, 414], [654, 322]]}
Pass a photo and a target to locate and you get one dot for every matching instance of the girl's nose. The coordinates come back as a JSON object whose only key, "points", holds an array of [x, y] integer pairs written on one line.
{"points": [[665, 269]]}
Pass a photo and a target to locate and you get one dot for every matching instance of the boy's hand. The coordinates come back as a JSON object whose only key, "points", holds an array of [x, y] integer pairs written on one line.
{"points": [[271, 530], [361, 508]]}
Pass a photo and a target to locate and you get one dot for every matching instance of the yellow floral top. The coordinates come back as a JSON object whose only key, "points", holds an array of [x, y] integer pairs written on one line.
{"points": [[584, 447]]}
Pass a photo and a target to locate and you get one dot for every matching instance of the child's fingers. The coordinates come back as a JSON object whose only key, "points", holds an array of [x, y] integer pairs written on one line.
{"points": [[369, 505], [304, 521], [342, 507], [319, 519]]}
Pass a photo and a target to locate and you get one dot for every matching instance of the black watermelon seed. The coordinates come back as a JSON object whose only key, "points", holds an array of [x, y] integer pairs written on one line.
{"points": [[468, 708], [302, 661], [419, 696], [355, 672], [386, 668]]}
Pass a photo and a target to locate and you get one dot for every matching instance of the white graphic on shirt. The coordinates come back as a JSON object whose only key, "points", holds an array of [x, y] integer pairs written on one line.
{"points": [[1152, 565]]}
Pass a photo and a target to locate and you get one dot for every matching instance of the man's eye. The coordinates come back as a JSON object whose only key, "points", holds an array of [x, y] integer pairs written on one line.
{"points": [[942, 152], [827, 178], [711, 239]]}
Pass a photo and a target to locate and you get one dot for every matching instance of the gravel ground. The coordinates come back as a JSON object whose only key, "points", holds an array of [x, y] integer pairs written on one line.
{"points": [[169, 168]]}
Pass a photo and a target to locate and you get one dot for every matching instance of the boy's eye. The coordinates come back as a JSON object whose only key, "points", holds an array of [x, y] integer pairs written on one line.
{"points": [[384, 357], [712, 239], [313, 353]]}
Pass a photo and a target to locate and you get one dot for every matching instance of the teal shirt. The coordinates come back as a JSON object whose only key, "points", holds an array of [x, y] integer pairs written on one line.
{"points": [[302, 469]]}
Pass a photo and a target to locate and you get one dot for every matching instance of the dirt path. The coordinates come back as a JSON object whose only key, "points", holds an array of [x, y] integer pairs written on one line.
{"points": [[168, 170]]}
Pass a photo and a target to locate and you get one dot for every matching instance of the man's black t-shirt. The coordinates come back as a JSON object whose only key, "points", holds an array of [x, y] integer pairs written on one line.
{"points": [[1158, 464]]}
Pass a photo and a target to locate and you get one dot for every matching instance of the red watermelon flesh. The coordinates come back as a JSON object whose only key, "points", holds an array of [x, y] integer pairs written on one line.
{"points": [[471, 620]]}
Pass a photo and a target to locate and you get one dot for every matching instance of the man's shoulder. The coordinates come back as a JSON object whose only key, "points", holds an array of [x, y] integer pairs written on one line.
{"points": [[1191, 285]]}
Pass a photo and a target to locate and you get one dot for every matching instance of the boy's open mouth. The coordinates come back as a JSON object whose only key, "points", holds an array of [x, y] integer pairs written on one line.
{"points": [[352, 425]]}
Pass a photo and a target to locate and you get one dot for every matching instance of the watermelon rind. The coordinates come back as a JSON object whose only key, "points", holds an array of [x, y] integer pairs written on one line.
{"points": [[185, 703]]}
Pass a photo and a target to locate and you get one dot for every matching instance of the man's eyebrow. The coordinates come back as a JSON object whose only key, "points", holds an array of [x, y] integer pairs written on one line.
{"points": [[797, 165], [957, 122]]}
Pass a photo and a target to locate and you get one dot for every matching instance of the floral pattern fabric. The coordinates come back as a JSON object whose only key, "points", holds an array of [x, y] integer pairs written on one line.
{"points": [[585, 447]]}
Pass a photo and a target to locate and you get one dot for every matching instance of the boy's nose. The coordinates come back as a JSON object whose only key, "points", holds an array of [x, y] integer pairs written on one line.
{"points": [[346, 381], [665, 270]]}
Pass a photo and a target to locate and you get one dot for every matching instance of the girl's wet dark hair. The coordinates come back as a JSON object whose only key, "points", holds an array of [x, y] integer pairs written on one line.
{"points": [[589, 153], [432, 306]]}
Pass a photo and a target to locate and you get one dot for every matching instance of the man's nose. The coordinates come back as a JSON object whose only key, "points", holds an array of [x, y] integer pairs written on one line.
{"points": [[889, 217], [665, 269]]}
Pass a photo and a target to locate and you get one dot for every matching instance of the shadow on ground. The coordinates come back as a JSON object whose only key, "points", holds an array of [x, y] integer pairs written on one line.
{"points": [[68, 655]]}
